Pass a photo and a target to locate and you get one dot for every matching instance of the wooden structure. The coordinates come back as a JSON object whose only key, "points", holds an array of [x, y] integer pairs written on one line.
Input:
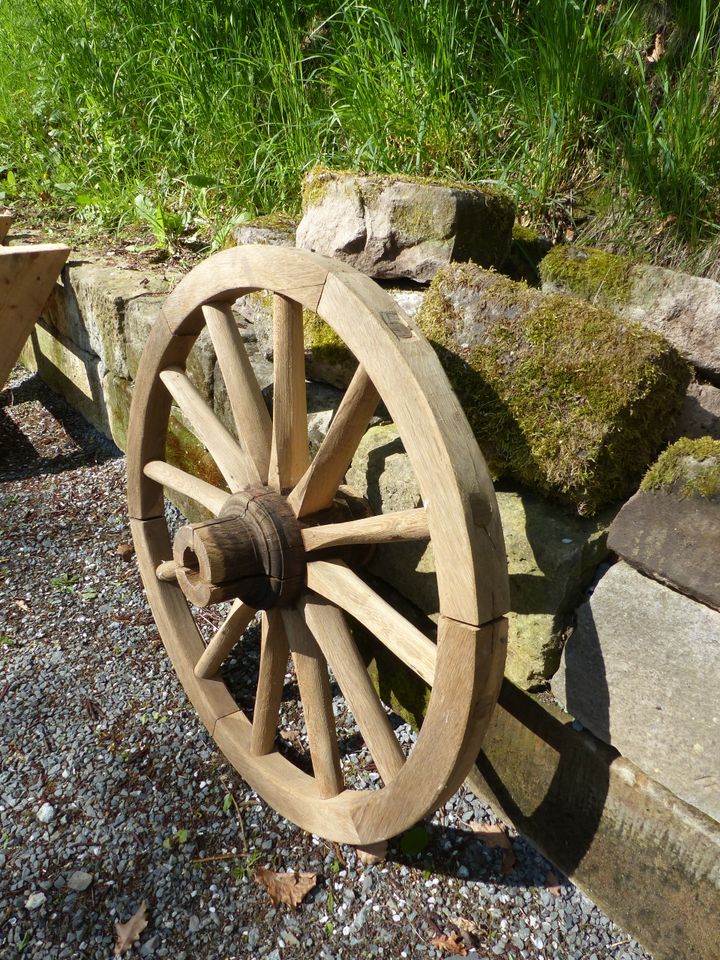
{"points": [[6, 220], [27, 276], [280, 533]]}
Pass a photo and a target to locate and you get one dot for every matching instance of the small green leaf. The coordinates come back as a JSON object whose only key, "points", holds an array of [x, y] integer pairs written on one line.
{"points": [[227, 802], [414, 840], [182, 836], [89, 594], [167, 843]]}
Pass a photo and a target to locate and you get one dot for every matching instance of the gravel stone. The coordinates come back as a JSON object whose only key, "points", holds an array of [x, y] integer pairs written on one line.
{"points": [[80, 880], [46, 813], [102, 732]]}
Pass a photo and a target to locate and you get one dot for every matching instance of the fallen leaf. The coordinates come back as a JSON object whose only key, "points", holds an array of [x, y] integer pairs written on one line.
{"points": [[129, 933], [373, 853], [125, 551], [451, 944], [493, 835], [290, 888], [22, 605], [552, 883], [657, 51], [467, 926]]}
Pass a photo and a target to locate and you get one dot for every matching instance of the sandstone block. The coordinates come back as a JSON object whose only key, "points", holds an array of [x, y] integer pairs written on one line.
{"points": [[683, 308], [275, 230], [640, 671], [700, 413], [670, 529], [552, 555], [564, 397], [395, 226]]}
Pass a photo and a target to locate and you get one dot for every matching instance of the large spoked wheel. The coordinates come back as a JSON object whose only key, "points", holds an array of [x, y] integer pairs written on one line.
{"points": [[280, 528]]}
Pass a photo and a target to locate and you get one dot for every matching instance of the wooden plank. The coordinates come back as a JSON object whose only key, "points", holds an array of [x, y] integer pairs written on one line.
{"points": [[320, 483], [385, 528], [336, 582], [6, 220], [234, 463], [27, 277], [314, 685], [251, 416], [331, 631], [290, 453]]}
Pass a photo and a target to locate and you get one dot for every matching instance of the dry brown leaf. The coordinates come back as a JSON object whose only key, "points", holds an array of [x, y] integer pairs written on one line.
{"points": [[452, 944], [22, 605], [552, 883], [657, 51], [373, 853], [129, 933], [467, 926], [493, 835], [125, 551], [290, 888]]}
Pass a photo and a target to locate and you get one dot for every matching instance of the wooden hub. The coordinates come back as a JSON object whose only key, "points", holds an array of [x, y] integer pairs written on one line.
{"points": [[252, 551]]}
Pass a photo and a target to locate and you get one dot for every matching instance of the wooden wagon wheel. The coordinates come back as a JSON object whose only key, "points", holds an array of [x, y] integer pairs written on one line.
{"points": [[262, 547]]}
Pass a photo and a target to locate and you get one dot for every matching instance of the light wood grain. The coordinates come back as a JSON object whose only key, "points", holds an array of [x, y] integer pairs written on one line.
{"points": [[178, 480], [274, 653], [320, 482], [385, 528], [335, 581], [224, 640], [251, 416], [314, 685], [290, 455], [330, 629], [27, 277], [6, 220], [234, 463]]}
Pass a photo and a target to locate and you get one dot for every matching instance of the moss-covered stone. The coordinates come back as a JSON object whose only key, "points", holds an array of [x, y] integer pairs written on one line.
{"points": [[588, 272], [689, 468], [527, 250], [327, 357], [562, 396]]}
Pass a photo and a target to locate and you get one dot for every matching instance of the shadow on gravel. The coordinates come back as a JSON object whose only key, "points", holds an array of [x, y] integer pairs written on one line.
{"points": [[54, 437]]}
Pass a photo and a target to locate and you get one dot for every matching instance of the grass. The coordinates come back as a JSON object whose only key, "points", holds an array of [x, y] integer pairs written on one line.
{"points": [[192, 112]]}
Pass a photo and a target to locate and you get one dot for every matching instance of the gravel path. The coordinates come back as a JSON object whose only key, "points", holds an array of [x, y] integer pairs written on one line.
{"points": [[112, 793]]}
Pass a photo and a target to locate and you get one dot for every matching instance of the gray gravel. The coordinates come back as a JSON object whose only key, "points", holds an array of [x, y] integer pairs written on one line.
{"points": [[112, 793]]}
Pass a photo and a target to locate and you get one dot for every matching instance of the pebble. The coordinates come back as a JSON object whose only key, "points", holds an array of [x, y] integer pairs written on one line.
{"points": [[35, 900], [46, 813], [80, 880]]}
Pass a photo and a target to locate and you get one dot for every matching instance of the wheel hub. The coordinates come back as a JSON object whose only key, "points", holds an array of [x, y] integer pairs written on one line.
{"points": [[252, 551]]}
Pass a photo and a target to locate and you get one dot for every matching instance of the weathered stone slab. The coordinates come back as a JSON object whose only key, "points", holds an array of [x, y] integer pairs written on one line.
{"points": [[274, 230], [700, 413], [651, 861], [563, 397], [641, 672], [683, 308], [552, 556], [396, 226], [670, 529]]}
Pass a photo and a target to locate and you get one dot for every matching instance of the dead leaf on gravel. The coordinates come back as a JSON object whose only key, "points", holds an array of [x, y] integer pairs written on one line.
{"points": [[22, 605], [373, 853], [451, 944], [290, 888], [467, 926], [125, 551], [129, 933], [493, 835], [552, 883]]}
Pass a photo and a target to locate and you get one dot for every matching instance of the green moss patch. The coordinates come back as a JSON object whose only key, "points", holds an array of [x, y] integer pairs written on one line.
{"points": [[562, 396], [592, 274], [688, 468]]}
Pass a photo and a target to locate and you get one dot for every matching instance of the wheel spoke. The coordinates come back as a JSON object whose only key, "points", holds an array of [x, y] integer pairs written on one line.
{"points": [[223, 642], [274, 653], [314, 686], [251, 416], [386, 528], [289, 457], [178, 480], [235, 465], [331, 631], [321, 480], [335, 581]]}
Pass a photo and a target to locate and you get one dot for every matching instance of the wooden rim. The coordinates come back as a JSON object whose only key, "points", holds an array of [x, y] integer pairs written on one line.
{"points": [[460, 516]]}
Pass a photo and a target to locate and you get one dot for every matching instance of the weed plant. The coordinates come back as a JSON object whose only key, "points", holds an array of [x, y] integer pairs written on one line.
{"points": [[199, 110]]}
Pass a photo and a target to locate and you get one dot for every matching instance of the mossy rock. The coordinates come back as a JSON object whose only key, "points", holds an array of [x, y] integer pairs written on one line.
{"points": [[527, 250], [597, 276], [562, 396], [688, 468]]}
